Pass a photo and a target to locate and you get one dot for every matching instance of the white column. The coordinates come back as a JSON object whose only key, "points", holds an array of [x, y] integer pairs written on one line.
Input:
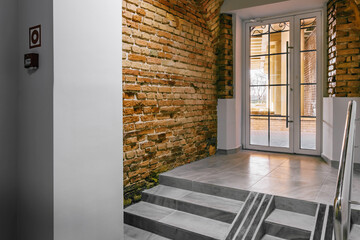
{"points": [[229, 110], [88, 196]]}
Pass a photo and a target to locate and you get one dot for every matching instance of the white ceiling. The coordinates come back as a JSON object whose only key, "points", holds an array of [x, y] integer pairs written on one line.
{"points": [[248, 9]]}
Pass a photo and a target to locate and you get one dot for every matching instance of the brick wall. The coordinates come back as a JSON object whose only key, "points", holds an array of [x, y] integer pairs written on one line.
{"points": [[170, 79], [344, 48]]}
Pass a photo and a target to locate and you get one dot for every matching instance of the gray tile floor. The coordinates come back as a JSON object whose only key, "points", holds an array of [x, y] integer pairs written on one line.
{"points": [[296, 176]]}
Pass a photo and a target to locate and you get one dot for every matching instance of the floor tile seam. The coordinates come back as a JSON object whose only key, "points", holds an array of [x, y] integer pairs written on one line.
{"points": [[262, 178], [322, 185]]}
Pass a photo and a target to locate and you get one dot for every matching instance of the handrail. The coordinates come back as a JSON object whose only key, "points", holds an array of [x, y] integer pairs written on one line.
{"points": [[342, 201]]}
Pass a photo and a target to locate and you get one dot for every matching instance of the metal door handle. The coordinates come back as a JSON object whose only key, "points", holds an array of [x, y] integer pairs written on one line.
{"points": [[287, 84]]}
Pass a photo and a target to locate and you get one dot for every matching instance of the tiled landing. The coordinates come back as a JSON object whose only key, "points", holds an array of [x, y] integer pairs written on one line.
{"points": [[175, 210], [294, 176], [248, 196]]}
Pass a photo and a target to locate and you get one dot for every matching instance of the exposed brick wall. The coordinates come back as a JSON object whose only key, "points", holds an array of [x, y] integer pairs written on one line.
{"points": [[225, 58], [170, 86], [343, 48]]}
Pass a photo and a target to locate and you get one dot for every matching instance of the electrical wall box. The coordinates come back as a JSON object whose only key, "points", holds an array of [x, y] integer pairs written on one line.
{"points": [[31, 61]]}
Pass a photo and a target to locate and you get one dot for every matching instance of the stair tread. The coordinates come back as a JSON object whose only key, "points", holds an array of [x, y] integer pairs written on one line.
{"points": [[193, 223], [211, 201], [133, 233], [292, 219], [269, 237], [355, 232]]}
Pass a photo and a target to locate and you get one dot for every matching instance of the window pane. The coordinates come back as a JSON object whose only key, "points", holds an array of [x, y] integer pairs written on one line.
{"points": [[278, 100], [278, 69], [259, 30], [259, 44], [308, 100], [308, 38], [279, 134], [259, 131], [278, 42], [308, 34], [308, 67], [308, 133], [259, 71], [259, 100], [280, 27]]}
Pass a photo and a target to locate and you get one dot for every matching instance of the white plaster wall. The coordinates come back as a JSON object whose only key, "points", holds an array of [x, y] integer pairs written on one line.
{"points": [[231, 5], [88, 197], [334, 116], [35, 147], [229, 110], [8, 111]]}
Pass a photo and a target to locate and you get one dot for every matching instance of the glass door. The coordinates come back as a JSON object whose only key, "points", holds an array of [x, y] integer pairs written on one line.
{"points": [[268, 86], [281, 85]]}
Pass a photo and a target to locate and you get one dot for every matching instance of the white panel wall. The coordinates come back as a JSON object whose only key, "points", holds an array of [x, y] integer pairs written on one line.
{"points": [[334, 116], [8, 110], [35, 149], [87, 120]]}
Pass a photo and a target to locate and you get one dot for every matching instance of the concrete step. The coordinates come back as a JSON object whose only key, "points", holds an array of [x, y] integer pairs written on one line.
{"points": [[292, 219], [174, 224], [269, 237], [289, 225], [207, 188], [133, 233], [205, 205], [355, 232]]}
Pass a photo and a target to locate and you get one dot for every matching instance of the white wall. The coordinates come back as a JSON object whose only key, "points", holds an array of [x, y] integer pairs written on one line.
{"points": [[8, 107], [87, 120], [334, 116], [229, 110], [35, 147]]}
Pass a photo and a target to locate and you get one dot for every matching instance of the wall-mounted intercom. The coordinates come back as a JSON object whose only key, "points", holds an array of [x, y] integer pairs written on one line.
{"points": [[31, 61]]}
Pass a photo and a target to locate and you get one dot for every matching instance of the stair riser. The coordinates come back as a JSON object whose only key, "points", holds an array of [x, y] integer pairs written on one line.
{"points": [[162, 229], [199, 210], [206, 188], [286, 232]]}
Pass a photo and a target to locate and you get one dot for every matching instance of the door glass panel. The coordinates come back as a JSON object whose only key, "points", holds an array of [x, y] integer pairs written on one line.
{"points": [[259, 30], [308, 67], [308, 34], [277, 100], [308, 133], [279, 134], [259, 71], [268, 99], [280, 27], [259, 44], [308, 100], [259, 100], [308, 117], [278, 69], [259, 130], [308, 82], [278, 42]]}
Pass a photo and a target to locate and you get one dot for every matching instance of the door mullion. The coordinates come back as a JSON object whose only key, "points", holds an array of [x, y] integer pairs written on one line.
{"points": [[296, 85]]}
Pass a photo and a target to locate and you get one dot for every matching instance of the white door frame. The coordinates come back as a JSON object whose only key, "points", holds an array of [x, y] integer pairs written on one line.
{"points": [[294, 80]]}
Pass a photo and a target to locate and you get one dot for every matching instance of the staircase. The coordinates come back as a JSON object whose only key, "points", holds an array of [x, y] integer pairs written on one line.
{"points": [[184, 209]]}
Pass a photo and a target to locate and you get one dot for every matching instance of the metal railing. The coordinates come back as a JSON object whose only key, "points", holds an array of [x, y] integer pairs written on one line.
{"points": [[342, 201]]}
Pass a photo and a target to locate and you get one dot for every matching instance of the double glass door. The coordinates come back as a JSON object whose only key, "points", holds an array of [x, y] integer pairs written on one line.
{"points": [[283, 84]]}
